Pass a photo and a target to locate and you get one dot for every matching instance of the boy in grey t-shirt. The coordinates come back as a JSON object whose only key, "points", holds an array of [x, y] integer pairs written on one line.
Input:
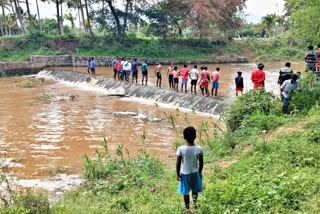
{"points": [[189, 176]]}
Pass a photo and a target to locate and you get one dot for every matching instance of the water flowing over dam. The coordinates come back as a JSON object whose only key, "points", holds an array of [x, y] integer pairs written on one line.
{"points": [[165, 96]]}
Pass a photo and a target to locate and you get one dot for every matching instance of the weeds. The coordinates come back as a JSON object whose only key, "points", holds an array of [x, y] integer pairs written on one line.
{"points": [[45, 95], [27, 84]]}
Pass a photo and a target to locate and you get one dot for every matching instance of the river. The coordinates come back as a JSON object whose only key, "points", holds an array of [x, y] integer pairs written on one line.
{"points": [[44, 132]]}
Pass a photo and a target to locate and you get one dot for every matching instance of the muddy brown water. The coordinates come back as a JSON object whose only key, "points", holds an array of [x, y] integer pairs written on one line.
{"points": [[44, 133]]}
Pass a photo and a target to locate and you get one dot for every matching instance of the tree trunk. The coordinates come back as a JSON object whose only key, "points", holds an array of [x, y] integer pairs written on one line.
{"points": [[4, 18], [28, 12], [39, 19], [116, 17], [126, 17], [88, 18], [61, 18], [19, 16], [79, 17], [83, 18], [58, 17], [1, 25]]}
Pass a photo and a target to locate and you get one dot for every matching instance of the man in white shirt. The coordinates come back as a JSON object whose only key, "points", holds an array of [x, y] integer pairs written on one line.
{"points": [[194, 75], [287, 89]]}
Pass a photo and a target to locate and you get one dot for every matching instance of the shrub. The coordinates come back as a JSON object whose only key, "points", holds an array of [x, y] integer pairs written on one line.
{"points": [[255, 101], [27, 84], [309, 95]]}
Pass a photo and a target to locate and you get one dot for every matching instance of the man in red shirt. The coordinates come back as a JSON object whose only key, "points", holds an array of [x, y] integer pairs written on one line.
{"points": [[184, 72], [258, 77]]}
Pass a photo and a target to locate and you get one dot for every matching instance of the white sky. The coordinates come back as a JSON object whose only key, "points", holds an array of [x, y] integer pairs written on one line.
{"points": [[259, 8], [255, 9]]}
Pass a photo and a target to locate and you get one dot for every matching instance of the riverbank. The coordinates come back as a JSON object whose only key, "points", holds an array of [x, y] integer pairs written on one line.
{"points": [[19, 48]]}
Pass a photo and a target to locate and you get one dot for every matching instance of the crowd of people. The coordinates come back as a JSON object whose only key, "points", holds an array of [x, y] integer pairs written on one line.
{"points": [[124, 68]]}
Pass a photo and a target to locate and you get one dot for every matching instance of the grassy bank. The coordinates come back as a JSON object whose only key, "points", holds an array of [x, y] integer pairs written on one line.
{"points": [[262, 162], [19, 48]]}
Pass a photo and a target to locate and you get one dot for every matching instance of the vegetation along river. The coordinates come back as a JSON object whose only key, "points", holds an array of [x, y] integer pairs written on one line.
{"points": [[45, 130]]}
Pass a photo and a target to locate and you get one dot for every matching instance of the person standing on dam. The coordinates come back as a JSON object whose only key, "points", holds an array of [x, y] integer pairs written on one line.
{"points": [[170, 75], [215, 76], [157, 71], [194, 75], [134, 69], [204, 81], [144, 70], [92, 66], [184, 72]]}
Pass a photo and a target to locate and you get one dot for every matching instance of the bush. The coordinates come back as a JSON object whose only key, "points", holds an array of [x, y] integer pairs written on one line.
{"points": [[255, 101], [309, 95], [27, 84]]}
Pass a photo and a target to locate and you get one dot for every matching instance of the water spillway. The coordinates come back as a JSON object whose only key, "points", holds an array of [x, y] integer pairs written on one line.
{"points": [[158, 95]]}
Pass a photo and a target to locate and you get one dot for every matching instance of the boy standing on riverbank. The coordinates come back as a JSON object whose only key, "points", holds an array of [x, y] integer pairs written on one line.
{"points": [[190, 176]]}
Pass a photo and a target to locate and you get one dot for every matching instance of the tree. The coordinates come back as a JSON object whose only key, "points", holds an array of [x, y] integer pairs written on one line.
{"points": [[19, 15], [268, 22], [202, 16], [39, 19], [71, 19], [163, 19], [5, 6], [304, 19], [77, 4], [28, 12]]}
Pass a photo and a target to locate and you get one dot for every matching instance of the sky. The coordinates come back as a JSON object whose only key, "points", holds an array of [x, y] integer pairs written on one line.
{"points": [[259, 8], [254, 11]]}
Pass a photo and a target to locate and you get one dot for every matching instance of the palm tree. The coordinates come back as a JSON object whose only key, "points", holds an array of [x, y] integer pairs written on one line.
{"points": [[77, 4], [28, 12], [39, 19], [71, 19], [269, 21], [5, 5], [88, 18], [19, 15]]}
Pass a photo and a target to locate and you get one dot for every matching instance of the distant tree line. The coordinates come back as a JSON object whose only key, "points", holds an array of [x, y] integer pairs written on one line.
{"points": [[197, 19], [163, 19]]}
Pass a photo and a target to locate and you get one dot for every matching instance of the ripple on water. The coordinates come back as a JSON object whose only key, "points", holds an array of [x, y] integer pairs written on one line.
{"points": [[46, 147]]}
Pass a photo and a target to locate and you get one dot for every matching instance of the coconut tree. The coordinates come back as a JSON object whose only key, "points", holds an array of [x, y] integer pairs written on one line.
{"points": [[268, 21], [77, 4], [5, 5], [19, 15], [38, 12], [71, 19], [28, 12]]}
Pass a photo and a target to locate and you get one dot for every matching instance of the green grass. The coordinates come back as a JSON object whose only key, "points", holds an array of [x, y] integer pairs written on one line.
{"points": [[19, 48]]}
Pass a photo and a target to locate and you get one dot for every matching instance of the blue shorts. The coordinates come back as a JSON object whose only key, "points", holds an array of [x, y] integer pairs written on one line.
{"points": [[184, 81], [215, 85], [191, 182]]}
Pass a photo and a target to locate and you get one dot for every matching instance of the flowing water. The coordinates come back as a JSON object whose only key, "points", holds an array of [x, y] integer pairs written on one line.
{"points": [[45, 130]]}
